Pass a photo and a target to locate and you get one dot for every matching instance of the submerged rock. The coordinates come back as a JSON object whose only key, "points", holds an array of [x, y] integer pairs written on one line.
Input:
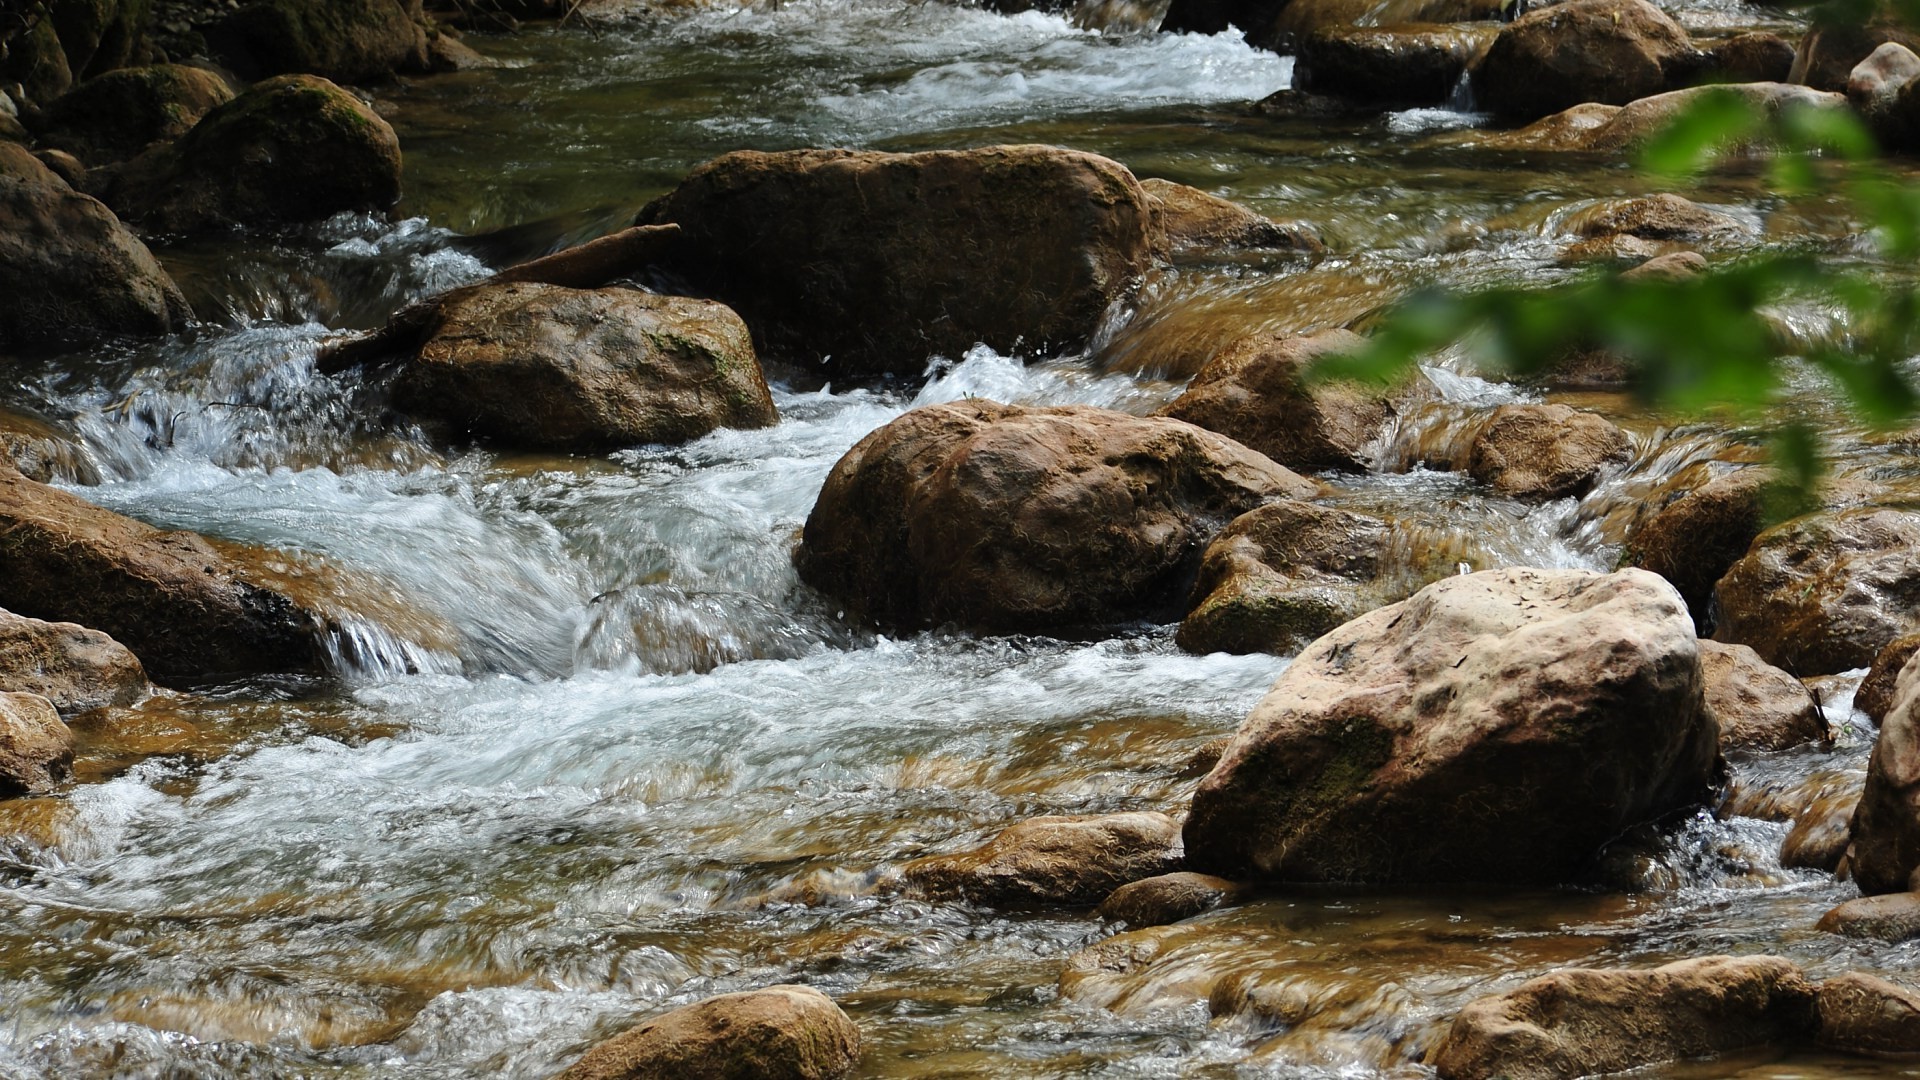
{"points": [[1496, 727], [1885, 853], [1892, 917], [1544, 451], [1400, 65], [72, 274], [540, 366], [1876, 694], [1189, 223], [779, 1033], [1695, 539], [291, 149], [1862, 1014], [1168, 898], [871, 263], [75, 668], [1008, 519], [1606, 51], [1759, 706], [119, 114], [1585, 1021], [1052, 860], [36, 749], [42, 451], [1822, 832], [344, 40], [1654, 217]]}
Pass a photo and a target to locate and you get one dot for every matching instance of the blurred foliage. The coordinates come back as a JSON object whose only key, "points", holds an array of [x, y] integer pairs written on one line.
{"points": [[1709, 343]]}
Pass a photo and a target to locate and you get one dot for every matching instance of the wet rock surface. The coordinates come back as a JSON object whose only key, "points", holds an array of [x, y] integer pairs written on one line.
{"points": [[1695, 539], [1191, 225], [1876, 694], [74, 668], [347, 41], [1393, 65], [1052, 860], [1890, 917], [779, 1033], [1885, 853], [1168, 898], [36, 749], [1544, 451], [1608, 52]]}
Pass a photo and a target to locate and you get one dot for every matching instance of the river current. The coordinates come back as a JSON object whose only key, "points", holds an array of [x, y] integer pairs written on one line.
{"points": [[599, 752]]}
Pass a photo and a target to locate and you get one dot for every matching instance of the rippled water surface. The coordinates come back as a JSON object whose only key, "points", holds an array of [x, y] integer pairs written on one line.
{"points": [[593, 750]]}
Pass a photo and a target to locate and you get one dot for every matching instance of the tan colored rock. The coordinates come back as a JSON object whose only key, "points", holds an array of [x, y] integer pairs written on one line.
{"points": [[1759, 706], [1615, 129], [75, 668], [1885, 853], [1168, 898], [1891, 917], [1052, 860], [1586, 1021], [1496, 727], [870, 263], [1544, 451], [1695, 539], [42, 451], [1190, 223], [1606, 51], [1875, 696], [779, 1033], [1653, 217], [36, 749], [1821, 833], [1862, 1014], [1008, 519]]}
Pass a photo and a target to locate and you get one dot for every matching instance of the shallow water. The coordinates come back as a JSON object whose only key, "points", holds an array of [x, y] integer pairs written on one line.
{"points": [[596, 751]]}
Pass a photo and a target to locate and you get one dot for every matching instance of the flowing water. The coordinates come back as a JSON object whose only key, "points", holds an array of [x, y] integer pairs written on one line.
{"points": [[599, 752]]}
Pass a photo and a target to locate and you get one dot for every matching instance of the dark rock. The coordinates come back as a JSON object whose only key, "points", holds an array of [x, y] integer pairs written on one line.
{"points": [[1885, 854], [75, 668], [1827, 54], [1885, 89], [1390, 65], [1052, 860], [117, 115], [1695, 539], [1169, 898], [1876, 694], [36, 748], [1280, 25], [1605, 51], [1748, 58], [1759, 706], [779, 1033], [347, 41]]}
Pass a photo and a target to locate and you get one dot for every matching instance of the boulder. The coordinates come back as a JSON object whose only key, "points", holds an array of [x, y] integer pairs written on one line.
{"points": [[1013, 519], [291, 149], [869, 263], [1884, 89], [72, 274], [1821, 832], [1759, 706], [1390, 65], [1544, 451], [1612, 129], [1885, 854], [1606, 51], [1654, 217], [1825, 592], [541, 366], [1280, 25], [1748, 58], [1695, 539], [75, 668], [1585, 1021], [779, 1033], [1495, 727], [1875, 695], [1254, 390], [117, 115], [1282, 575], [1052, 860], [1189, 223], [36, 749], [37, 64], [1893, 918], [349, 41], [1828, 54], [188, 608], [1862, 1014], [41, 451], [99, 35], [1168, 898]]}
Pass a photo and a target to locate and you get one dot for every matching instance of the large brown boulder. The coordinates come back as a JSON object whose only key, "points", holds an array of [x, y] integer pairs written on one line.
{"points": [[1495, 727], [1544, 451], [75, 668], [779, 1033], [1052, 860], [1586, 1021], [70, 272], [348, 41], [1390, 65], [1825, 592], [1695, 539], [870, 263], [1885, 853], [541, 366], [1890, 917], [36, 748], [1759, 706], [1828, 53], [1189, 225], [290, 149], [1876, 694], [1254, 390], [1862, 1014], [1012, 519], [119, 114], [1606, 51], [187, 608]]}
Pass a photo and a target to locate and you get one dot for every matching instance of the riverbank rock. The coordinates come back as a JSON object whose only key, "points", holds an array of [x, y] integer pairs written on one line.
{"points": [[540, 366], [1695, 539], [349, 41], [1254, 390], [1189, 224], [869, 263], [1885, 853], [1544, 451], [1390, 65], [779, 1033], [291, 149], [1010, 519], [1282, 575], [1586, 1021], [1168, 898], [1862, 1014], [71, 273], [186, 608], [36, 748], [1052, 860], [1827, 55], [1606, 51], [75, 668], [1495, 727], [1759, 706], [1893, 917], [1876, 692], [1825, 592], [1885, 89], [1614, 129], [117, 115]]}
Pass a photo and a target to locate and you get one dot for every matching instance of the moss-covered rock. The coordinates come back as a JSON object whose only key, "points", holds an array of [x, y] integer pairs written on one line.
{"points": [[117, 115], [345, 40]]}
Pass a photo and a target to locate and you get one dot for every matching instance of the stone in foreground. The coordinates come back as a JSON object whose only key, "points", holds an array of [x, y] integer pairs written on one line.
{"points": [[779, 1033], [1052, 860], [1862, 1014], [75, 668], [1892, 917], [1496, 727], [36, 749], [1885, 855]]}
